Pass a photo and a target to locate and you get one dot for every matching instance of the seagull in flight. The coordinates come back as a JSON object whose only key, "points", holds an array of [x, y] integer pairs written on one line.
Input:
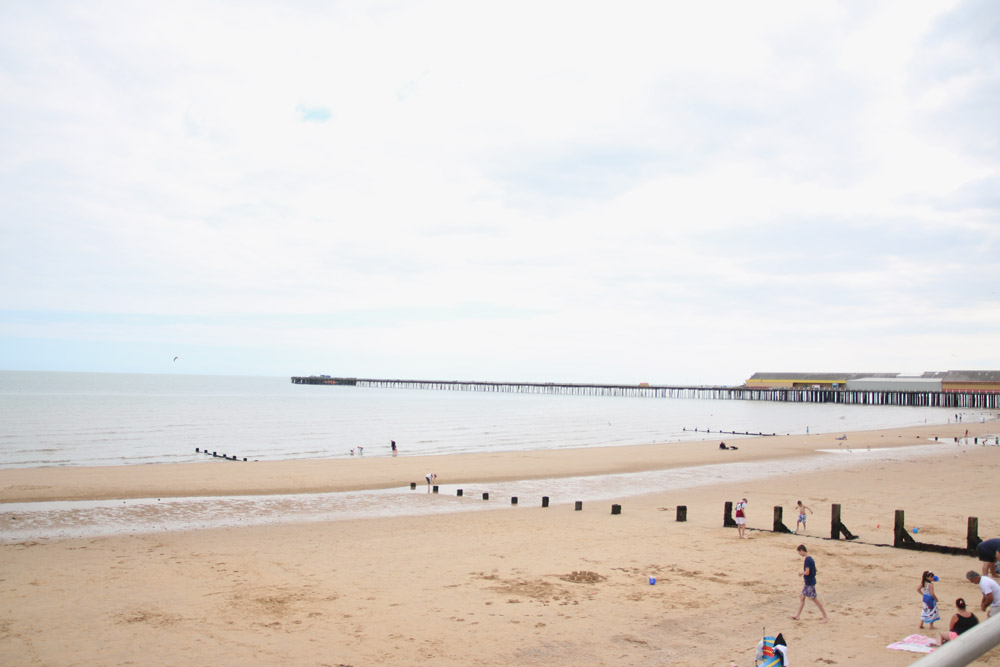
{"points": [[176, 358]]}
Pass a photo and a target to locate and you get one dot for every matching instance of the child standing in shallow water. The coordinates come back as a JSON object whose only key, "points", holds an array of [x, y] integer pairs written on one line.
{"points": [[929, 614]]}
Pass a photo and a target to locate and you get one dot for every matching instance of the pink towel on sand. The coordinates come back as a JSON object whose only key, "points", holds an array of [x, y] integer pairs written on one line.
{"points": [[914, 643]]}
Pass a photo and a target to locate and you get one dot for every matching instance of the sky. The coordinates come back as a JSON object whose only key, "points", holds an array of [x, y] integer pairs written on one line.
{"points": [[662, 192]]}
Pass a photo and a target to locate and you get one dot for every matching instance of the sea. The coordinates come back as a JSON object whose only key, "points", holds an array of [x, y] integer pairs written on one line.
{"points": [[101, 419], [98, 419]]}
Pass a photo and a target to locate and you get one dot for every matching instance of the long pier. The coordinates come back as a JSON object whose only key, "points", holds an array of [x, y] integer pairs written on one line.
{"points": [[935, 399]]}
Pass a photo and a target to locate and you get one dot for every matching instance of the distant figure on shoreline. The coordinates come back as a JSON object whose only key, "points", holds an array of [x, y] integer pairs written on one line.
{"points": [[393, 445], [430, 477]]}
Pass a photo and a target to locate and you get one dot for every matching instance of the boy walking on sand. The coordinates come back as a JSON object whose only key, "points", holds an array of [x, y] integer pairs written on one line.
{"points": [[808, 574]]}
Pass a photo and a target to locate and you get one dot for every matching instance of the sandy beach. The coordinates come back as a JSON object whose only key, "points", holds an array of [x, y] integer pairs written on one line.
{"points": [[522, 585]]}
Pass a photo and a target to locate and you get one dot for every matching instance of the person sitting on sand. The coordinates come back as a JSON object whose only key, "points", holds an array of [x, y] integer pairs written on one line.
{"points": [[960, 622]]}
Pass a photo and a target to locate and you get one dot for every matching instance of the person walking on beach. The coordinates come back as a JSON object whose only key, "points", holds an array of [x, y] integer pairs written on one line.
{"points": [[988, 552], [802, 509], [430, 477], [990, 590], [741, 516], [808, 575], [392, 443], [929, 612]]}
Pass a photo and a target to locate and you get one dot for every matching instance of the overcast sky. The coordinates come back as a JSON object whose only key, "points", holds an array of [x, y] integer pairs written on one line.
{"points": [[664, 192]]}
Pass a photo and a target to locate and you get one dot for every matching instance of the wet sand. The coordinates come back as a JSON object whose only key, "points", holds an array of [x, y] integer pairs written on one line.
{"points": [[516, 585]]}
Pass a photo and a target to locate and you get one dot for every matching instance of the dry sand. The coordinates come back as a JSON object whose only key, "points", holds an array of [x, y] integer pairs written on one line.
{"points": [[518, 585]]}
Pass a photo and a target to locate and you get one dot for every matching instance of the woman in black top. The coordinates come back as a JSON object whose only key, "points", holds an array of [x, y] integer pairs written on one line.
{"points": [[960, 622]]}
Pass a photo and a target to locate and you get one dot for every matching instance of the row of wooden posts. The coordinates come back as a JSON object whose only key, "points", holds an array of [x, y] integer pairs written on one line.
{"points": [[615, 509], [901, 537], [217, 455]]}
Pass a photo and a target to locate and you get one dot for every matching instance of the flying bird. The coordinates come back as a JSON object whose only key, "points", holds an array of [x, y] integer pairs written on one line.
{"points": [[176, 358]]}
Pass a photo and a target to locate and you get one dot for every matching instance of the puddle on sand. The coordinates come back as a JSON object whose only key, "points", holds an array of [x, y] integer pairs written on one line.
{"points": [[78, 519]]}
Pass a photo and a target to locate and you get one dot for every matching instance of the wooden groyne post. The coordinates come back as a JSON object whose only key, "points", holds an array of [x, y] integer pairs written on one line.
{"points": [[779, 526], [837, 527], [972, 534], [728, 521], [902, 539]]}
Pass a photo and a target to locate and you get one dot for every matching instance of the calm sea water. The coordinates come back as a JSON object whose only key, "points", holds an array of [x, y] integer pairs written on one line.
{"points": [[57, 419]]}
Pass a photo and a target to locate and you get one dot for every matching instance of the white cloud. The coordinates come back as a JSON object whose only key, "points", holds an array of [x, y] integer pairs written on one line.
{"points": [[615, 185]]}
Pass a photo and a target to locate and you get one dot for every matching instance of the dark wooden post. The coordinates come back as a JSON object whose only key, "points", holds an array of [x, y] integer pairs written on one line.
{"points": [[459, 493], [435, 488], [837, 527], [579, 505], [727, 520], [972, 535], [513, 500], [486, 496], [900, 536], [779, 526], [545, 501], [682, 513], [616, 509], [413, 485]]}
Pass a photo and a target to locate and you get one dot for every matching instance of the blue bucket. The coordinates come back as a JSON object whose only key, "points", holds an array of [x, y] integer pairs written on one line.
{"points": [[652, 581]]}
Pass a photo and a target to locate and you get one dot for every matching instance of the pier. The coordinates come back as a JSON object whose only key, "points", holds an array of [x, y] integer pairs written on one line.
{"points": [[984, 400]]}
